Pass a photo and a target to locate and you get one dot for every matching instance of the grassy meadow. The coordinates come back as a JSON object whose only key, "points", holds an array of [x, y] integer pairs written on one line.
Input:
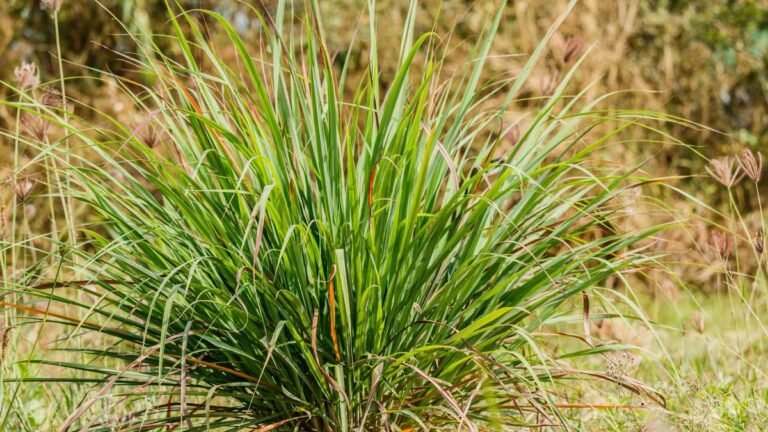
{"points": [[383, 215]]}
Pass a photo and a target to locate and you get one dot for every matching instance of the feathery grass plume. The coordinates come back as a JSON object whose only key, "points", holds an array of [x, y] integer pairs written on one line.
{"points": [[52, 5], [698, 321], [722, 243], [147, 134], [23, 189], [574, 47], [751, 165], [725, 170], [27, 76], [315, 254], [51, 98], [34, 125], [4, 222]]}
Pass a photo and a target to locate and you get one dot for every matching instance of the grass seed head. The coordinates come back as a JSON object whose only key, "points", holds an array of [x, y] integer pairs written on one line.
{"points": [[725, 170], [621, 364], [51, 98], [36, 126], [23, 189], [4, 223], [574, 46], [722, 243], [52, 5], [147, 134], [5, 332], [751, 165], [698, 321], [27, 75]]}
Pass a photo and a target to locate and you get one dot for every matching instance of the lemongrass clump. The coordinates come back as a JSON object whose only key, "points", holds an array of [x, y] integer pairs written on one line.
{"points": [[308, 253]]}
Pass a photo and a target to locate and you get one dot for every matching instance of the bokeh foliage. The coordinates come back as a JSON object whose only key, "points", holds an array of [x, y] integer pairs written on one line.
{"points": [[707, 60]]}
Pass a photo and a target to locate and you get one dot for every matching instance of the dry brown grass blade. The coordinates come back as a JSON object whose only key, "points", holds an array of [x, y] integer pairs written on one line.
{"points": [[371, 180], [232, 372], [77, 283], [588, 406], [630, 384], [332, 300], [327, 376], [47, 313], [585, 308], [445, 394], [375, 378], [40, 312], [274, 426]]}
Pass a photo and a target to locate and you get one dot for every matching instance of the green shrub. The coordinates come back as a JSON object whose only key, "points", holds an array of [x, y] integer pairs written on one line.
{"points": [[280, 248]]}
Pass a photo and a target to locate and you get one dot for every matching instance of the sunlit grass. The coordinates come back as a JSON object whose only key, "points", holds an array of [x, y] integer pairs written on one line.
{"points": [[274, 246]]}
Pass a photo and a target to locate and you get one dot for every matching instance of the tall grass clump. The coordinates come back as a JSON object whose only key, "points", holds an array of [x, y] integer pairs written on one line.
{"points": [[277, 248]]}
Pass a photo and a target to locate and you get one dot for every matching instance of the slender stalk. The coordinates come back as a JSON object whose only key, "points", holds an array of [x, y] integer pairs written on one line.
{"points": [[63, 189]]}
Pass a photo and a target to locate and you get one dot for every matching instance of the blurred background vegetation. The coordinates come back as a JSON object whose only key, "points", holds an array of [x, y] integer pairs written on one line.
{"points": [[704, 60]]}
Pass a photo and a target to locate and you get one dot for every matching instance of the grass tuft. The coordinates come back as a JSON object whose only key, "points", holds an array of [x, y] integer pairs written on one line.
{"points": [[298, 252]]}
